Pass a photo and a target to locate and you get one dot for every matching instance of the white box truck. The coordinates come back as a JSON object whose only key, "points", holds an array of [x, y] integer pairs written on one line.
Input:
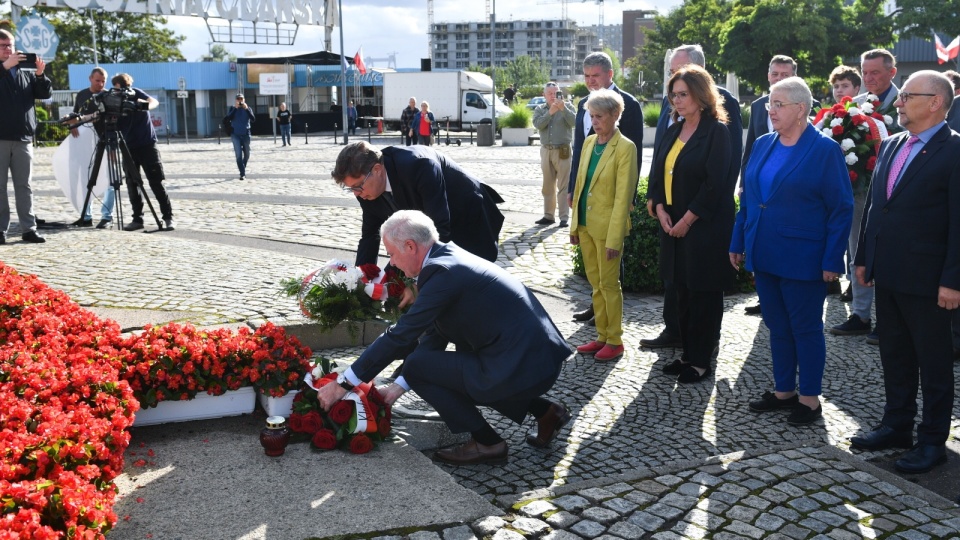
{"points": [[464, 96]]}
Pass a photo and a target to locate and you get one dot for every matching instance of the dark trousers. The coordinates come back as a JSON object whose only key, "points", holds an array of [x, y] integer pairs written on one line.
{"points": [[793, 311], [671, 313], [409, 140], [148, 159], [437, 376], [701, 314], [916, 341]]}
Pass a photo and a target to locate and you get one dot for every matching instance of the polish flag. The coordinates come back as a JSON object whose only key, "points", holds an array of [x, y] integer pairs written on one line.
{"points": [[358, 61], [949, 52]]}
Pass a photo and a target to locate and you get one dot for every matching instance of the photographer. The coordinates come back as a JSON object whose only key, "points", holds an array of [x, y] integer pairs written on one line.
{"points": [[141, 139], [18, 90], [240, 117], [86, 104]]}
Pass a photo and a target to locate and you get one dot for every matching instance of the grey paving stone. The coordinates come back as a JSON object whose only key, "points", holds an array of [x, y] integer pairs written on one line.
{"points": [[595, 494], [780, 471], [769, 522], [530, 526], [562, 535], [562, 519], [936, 513], [537, 508], [689, 530], [680, 501], [426, 535], [626, 530], [916, 515], [652, 487], [488, 525], [506, 534], [841, 534], [829, 518], [863, 488], [639, 497], [788, 514], [913, 534], [667, 535], [804, 505], [744, 529], [461, 532], [600, 515], [588, 529], [796, 532], [938, 531], [742, 513], [620, 506], [814, 524], [572, 503], [704, 519], [734, 489], [845, 494], [774, 495], [646, 521], [705, 479], [669, 479], [618, 488]]}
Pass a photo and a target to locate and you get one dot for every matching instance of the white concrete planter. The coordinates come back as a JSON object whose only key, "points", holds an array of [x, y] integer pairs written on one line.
{"points": [[278, 406], [515, 136], [202, 407]]}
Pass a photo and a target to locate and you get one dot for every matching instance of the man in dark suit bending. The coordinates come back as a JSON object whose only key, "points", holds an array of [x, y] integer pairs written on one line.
{"points": [[502, 362], [597, 74], [910, 249], [463, 208]]}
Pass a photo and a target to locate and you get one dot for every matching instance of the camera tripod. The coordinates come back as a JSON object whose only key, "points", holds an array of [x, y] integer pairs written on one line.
{"points": [[118, 157]]}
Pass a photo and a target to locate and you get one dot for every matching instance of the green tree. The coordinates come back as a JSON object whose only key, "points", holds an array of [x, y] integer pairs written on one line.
{"points": [[918, 17], [218, 53], [523, 71], [121, 37]]}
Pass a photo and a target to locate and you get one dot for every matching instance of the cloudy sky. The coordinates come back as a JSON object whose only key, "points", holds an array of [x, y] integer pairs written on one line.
{"points": [[384, 27]]}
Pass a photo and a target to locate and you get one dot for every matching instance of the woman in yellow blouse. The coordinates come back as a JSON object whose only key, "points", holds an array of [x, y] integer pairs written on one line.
{"points": [[601, 217]]}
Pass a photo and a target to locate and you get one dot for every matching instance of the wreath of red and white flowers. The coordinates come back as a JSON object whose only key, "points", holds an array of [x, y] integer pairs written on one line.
{"points": [[858, 129]]}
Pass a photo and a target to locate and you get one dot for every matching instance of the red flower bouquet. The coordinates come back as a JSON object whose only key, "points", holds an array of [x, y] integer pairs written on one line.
{"points": [[858, 129], [357, 422]]}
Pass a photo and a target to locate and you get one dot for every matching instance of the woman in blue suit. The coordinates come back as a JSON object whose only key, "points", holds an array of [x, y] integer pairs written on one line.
{"points": [[791, 231]]}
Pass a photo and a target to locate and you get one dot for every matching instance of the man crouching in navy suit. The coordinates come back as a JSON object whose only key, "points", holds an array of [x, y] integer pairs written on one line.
{"points": [[910, 248], [505, 363]]}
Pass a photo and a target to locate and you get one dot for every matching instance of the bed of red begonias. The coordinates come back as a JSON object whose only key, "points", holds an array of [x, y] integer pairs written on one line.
{"points": [[70, 385]]}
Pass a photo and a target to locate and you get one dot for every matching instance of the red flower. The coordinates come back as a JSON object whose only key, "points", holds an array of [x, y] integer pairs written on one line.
{"points": [[838, 130], [857, 119], [383, 427], [311, 422], [370, 271], [853, 176], [341, 411], [324, 439], [846, 99], [360, 444], [871, 163], [296, 422], [325, 380]]}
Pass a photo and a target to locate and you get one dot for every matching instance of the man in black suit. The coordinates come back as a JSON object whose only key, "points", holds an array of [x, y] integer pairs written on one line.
{"points": [[463, 208], [597, 74], [502, 362], [953, 120], [679, 57], [910, 249]]}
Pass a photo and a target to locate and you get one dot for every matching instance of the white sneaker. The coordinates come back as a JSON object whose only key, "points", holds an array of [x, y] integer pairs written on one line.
{"points": [[168, 224]]}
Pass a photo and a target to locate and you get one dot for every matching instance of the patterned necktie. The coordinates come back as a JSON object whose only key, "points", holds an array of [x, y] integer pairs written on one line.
{"points": [[898, 162]]}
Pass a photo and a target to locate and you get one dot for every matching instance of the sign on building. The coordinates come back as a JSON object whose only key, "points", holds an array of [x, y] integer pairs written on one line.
{"points": [[36, 35], [273, 84]]}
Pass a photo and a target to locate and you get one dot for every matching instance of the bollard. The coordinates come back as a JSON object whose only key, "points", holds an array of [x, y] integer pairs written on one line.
{"points": [[369, 126], [219, 132], [471, 133], [306, 133], [335, 134], [379, 125]]}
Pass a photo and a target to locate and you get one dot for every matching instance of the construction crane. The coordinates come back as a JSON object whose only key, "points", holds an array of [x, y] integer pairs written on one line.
{"points": [[563, 7], [390, 59]]}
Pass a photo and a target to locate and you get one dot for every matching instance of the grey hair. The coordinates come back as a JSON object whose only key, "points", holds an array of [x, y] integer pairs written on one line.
{"points": [[551, 84], [406, 225], [694, 54], [601, 59], [797, 92], [605, 100], [938, 83]]}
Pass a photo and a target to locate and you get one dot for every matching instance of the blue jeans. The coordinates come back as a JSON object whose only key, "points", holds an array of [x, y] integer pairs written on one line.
{"points": [[285, 130], [106, 208], [241, 149]]}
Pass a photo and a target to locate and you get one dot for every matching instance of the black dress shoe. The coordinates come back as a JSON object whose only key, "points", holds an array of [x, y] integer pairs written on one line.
{"points": [[663, 340], [584, 315], [770, 402], [545, 221], [834, 287], [82, 223], [592, 321], [674, 368], [133, 226], [549, 425], [33, 238], [883, 437], [691, 375], [921, 458], [472, 452], [752, 310], [102, 224], [803, 415]]}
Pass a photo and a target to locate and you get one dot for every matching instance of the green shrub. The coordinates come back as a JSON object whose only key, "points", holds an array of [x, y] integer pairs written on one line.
{"points": [[745, 114], [577, 90], [651, 113], [48, 132], [641, 253], [529, 90], [521, 117]]}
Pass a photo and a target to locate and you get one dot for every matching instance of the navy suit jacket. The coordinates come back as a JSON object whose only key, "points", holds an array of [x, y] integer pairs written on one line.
{"points": [[735, 126], [483, 310], [953, 117], [758, 123], [801, 228], [631, 127], [463, 208], [911, 242]]}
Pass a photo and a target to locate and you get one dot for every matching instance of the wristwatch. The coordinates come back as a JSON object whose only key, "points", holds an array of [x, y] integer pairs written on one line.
{"points": [[344, 383]]}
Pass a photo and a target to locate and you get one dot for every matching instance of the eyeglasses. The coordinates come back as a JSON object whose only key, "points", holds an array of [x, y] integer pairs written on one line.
{"points": [[779, 105], [359, 187], [905, 96], [6, 45], [681, 95]]}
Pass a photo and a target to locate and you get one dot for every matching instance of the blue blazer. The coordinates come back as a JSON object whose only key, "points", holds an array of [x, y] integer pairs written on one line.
{"points": [[801, 229], [484, 310], [911, 242], [631, 127], [758, 123]]}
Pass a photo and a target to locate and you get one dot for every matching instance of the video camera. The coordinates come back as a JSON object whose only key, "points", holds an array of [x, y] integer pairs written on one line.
{"points": [[116, 103]]}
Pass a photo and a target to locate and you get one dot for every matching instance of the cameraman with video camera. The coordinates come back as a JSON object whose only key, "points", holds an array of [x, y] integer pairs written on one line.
{"points": [[141, 139], [18, 90]]}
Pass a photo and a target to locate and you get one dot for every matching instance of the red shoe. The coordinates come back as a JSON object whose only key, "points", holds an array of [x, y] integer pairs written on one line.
{"points": [[591, 347], [609, 352]]}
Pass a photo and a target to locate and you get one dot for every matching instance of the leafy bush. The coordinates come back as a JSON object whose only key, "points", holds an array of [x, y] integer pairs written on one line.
{"points": [[529, 90], [48, 132], [745, 114], [651, 113], [577, 90], [641, 253], [521, 117]]}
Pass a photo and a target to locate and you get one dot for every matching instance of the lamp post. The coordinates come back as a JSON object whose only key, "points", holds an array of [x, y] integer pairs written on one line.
{"points": [[343, 76], [493, 69], [93, 35]]}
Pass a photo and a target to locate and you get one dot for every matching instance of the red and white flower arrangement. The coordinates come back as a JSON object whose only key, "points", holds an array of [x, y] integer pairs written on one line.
{"points": [[338, 292], [357, 422], [858, 129]]}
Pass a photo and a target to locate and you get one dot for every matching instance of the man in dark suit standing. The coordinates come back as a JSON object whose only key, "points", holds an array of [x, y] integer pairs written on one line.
{"points": [[953, 120], [505, 363], [597, 74], [679, 57], [910, 249], [463, 208]]}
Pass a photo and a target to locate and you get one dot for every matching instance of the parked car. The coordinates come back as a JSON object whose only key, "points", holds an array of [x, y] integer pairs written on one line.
{"points": [[535, 102]]}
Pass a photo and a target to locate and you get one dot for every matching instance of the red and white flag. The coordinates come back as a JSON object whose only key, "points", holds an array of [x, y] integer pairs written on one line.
{"points": [[949, 52], [358, 61]]}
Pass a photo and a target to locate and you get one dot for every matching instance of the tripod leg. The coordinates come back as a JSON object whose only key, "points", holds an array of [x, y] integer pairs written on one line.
{"points": [[94, 173], [134, 173]]}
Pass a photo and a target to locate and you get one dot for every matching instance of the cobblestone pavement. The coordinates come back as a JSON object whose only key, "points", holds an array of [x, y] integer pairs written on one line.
{"points": [[641, 458]]}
